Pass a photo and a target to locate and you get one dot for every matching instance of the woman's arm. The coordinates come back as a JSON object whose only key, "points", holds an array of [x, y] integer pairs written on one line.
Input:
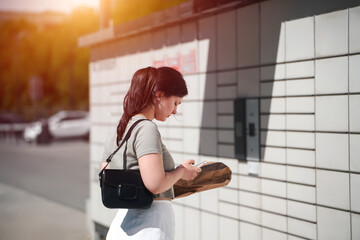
{"points": [[157, 180]]}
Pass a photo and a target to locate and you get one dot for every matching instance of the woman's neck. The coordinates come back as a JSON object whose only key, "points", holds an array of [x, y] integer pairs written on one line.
{"points": [[148, 113]]}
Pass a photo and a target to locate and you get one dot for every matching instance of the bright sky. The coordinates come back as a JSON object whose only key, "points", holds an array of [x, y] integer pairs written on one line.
{"points": [[44, 5]]}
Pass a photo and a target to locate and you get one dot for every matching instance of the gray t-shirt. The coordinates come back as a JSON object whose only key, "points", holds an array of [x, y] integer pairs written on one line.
{"points": [[144, 139]]}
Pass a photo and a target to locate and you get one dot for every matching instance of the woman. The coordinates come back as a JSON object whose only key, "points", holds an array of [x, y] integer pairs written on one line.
{"points": [[153, 94]]}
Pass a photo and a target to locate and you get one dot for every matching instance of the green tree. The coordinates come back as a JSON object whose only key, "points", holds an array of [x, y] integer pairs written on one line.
{"points": [[51, 53]]}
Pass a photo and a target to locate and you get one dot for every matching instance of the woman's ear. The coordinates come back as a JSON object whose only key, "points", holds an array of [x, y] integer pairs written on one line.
{"points": [[159, 95]]}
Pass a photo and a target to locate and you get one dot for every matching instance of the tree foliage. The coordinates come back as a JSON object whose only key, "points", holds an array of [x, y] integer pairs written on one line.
{"points": [[49, 52]]}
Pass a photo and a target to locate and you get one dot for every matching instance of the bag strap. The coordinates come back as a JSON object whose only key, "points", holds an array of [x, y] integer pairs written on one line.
{"points": [[127, 136]]}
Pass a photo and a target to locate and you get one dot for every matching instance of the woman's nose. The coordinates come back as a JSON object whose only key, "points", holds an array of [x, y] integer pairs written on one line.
{"points": [[174, 111]]}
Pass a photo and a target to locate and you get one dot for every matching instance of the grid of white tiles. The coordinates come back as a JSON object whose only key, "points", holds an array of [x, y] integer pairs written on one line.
{"points": [[307, 188], [310, 101]]}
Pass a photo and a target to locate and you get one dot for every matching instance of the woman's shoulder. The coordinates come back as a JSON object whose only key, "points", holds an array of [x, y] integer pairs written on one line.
{"points": [[147, 126]]}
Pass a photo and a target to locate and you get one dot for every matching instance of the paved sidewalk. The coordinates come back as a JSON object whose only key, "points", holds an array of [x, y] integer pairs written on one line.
{"points": [[27, 216]]}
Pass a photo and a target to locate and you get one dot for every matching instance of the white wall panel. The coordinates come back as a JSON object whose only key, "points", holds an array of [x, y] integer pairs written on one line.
{"points": [[354, 113], [272, 105], [354, 73], [191, 140], [207, 86], [331, 113], [301, 157], [304, 69], [226, 44], [273, 171], [333, 189], [300, 122], [191, 221], [268, 234], [226, 121], [208, 142], [274, 188], [300, 175], [229, 210], [301, 210], [354, 152], [275, 155], [331, 35], [250, 199], [300, 87], [226, 136], [355, 220], [272, 89], [333, 224], [331, 75], [272, 122], [354, 31], [191, 113], [228, 77], [272, 72], [273, 204], [274, 221], [192, 84], [209, 200], [302, 228], [249, 183], [250, 215], [300, 140], [272, 32], [207, 44], [229, 229], [272, 138], [208, 114], [300, 105], [332, 151], [209, 226], [301, 193], [250, 231], [248, 83], [227, 92], [225, 107], [300, 32], [248, 36], [355, 192]]}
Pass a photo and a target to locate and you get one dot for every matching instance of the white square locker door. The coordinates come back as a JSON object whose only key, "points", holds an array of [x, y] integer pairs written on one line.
{"points": [[207, 44], [331, 34], [226, 44], [188, 49], [331, 113], [248, 82], [355, 192], [248, 36], [332, 151], [300, 32], [355, 152], [354, 30], [331, 75], [333, 224], [354, 73], [272, 41], [354, 115], [333, 189]]}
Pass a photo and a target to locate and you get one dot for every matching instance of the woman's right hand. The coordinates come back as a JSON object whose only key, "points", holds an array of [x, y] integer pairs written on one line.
{"points": [[190, 171]]}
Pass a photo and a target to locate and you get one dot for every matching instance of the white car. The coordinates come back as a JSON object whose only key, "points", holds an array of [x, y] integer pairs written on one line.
{"points": [[64, 124]]}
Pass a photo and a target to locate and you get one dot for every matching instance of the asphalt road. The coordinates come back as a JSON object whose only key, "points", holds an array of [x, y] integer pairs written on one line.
{"points": [[58, 172]]}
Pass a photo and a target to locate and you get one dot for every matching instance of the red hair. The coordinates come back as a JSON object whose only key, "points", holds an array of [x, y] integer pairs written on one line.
{"points": [[144, 84]]}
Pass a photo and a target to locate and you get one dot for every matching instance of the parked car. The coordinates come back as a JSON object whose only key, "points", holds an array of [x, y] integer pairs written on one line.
{"points": [[64, 124], [12, 125]]}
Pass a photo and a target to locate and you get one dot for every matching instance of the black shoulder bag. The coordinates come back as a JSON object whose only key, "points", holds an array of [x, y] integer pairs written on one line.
{"points": [[123, 188]]}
